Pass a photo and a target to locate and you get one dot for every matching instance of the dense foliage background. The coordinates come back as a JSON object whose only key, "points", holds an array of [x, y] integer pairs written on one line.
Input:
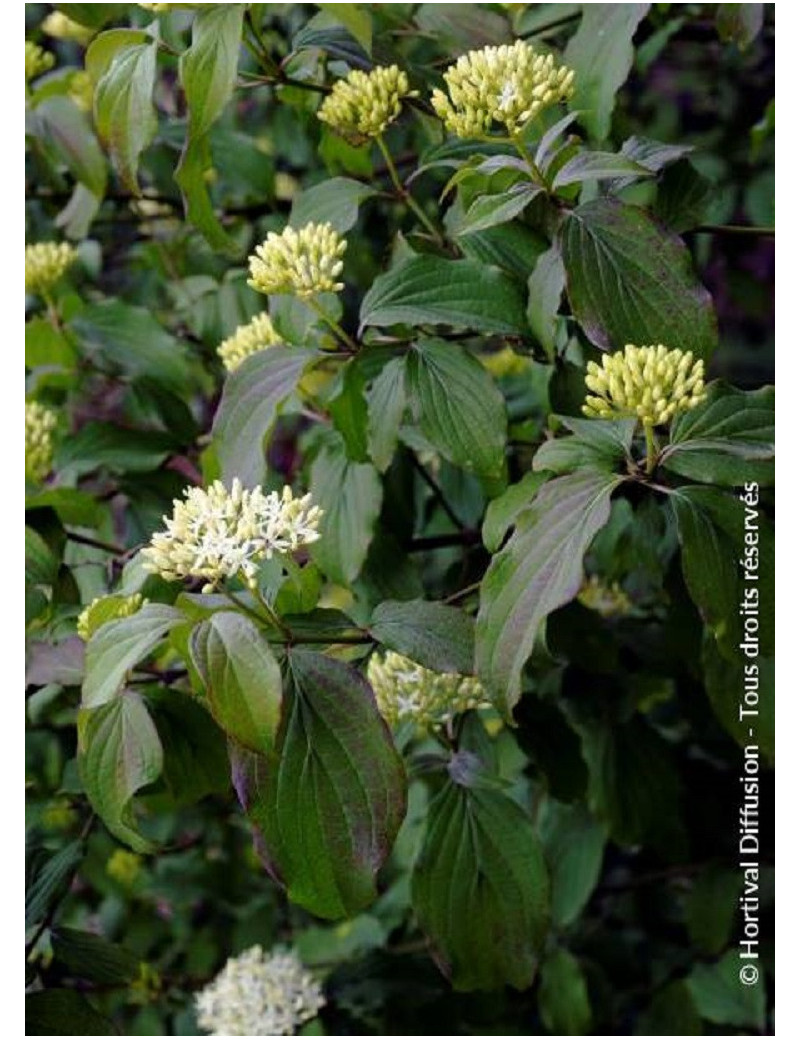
{"points": [[614, 735]]}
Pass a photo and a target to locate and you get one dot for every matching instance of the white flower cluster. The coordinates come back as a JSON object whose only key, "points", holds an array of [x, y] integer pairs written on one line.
{"points": [[259, 994], [217, 533], [406, 690]]}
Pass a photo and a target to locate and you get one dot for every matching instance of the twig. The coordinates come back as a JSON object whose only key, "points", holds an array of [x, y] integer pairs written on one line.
{"points": [[438, 494]]}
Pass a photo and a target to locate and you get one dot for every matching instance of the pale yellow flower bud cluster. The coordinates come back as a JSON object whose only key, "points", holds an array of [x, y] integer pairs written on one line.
{"points": [[607, 600], [258, 994], [37, 60], [652, 384], [81, 90], [45, 263], [303, 262], [124, 867], [62, 27], [39, 425], [248, 339], [216, 533], [506, 85], [406, 690], [107, 608], [363, 104]]}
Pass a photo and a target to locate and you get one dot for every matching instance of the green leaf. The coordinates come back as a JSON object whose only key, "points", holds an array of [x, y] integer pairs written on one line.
{"points": [[479, 889], [329, 803], [739, 23], [720, 996], [119, 753], [41, 565], [350, 495], [123, 108], [334, 201], [710, 557], [503, 510], [93, 16], [539, 570], [64, 1012], [46, 346], [574, 843], [601, 445], [428, 290], [563, 995], [653, 155], [99, 444], [190, 177], [598, 166], [116, 647], [601, 55], [196, 761], [631, 281], [711, 908], [432, 634], [514, 248], [101, 51], [349, 410], [70, 505], [670, 1013], [251, 401], [728, 439], [65, 130], [457, 405], [241, 677], [134, 341], [208, 68], [633, 785], [355, 19], [684, 197], [545, 289], [489, 210], [386, 405], [50, 881], [92, 957]]}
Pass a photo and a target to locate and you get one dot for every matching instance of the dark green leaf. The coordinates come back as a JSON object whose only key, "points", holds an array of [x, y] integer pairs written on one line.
{"points": [[116, 647], [119, 753], [598, 166], [123, 108], [739, 23], [92, 957], [428, 290], [330, 802], [630, 281], [241, 677], [70, 505], [50, 881], [100, 444], [457, 406], [349, 411], [64, 1012], [728, 439], [545, 289], [601, 445], [480, 889], [539, 570], [601, 54], [671, 1013], [514, 248], [386, 406], [653, 155], [41, 566], [721, 997], [432, 634], [65, 129], [251, 401], [196, 760], [133, 341], [503, 510], [711, 908], [349, 494], [489, 210], [574, 843], [684, 197], [563, 996], [335, 202]]}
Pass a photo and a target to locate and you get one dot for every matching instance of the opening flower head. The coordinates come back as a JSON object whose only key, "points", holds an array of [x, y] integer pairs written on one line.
{"points": [[406, 690], [103, 609], [46, 263], [652, 384], [39, 425], [37, 60], [258, 994], [303, 262], [62, 27], [508, 85], [363, 104], [248, 339], [216, 533]]}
